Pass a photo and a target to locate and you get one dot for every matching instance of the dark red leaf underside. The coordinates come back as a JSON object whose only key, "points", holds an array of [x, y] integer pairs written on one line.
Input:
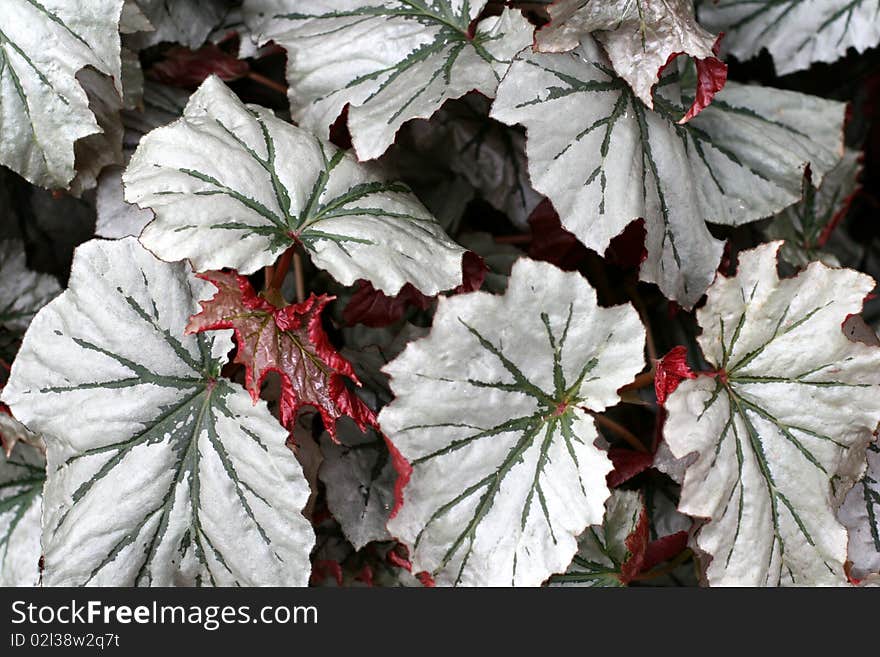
{"points": [[187, 68], [637, 545], [627, 464], [671, 370], [289, 341]]}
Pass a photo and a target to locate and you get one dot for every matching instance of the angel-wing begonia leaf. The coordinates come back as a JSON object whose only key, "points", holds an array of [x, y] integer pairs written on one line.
{"points": [[234, 186], [44, 110], [22, 474], [492, 411], [390, 60], [612, 159], [160, 473], [795, 32], [289, 341], [780, 429], [640, 38], [22, 292], [809, 227], [860, 514], [612, 553]]}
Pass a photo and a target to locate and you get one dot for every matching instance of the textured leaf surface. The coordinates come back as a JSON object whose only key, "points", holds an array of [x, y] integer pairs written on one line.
{"points": [[605, 552], [613, 160], [795, 32], [860, 514], [22, 475], [234, 186], [391, 60], [22, 292], [640, 38], [44, 110], [491, 411], [781, 430], [159, 472], [290, 341]]}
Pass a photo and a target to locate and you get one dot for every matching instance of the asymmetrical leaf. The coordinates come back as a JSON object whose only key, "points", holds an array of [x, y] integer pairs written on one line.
{"points": [[233, 186], [780, 430], [492, 411], [610, 554], [22, 474], [613, 160], [640, 38], [22, 292], [808, 226], [160, 473], [795, 32], [390, 60], [44, 110], [860, 514], [289, 341]]}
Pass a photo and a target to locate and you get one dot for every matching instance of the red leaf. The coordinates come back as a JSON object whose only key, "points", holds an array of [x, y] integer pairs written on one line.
{"points": [[289, 341], [671, 370], [711, 78], [627, 464], [425, 578], [551, 242], [183, 67], [637, 544], [399, 556], [373, 307], [340, 136], [404, 472], [664, 549]]}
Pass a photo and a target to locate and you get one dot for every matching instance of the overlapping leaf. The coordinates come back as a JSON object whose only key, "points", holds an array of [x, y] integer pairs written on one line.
{"points": [[795, 32], [640, 38], [613, 160], [288, 340], [612, 553], [187, 22], [860, 514], [390, 60], [22, 292], [808, 227], [492, 412], [22, 474], [780, 430], [233, 186], [160, 473], [44, 110]]}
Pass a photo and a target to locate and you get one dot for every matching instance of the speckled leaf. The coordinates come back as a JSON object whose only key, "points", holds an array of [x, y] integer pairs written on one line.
{"points": [[233, 186], [612, 159], [780, 430], [390, 60], [492, 411], [795, 32], [44, 110], [22, 474], [160, 473]]}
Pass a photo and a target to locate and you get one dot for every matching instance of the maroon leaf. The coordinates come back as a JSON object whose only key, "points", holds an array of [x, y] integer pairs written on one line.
{"points": [[637, 545], [664, 549], [187, 68], [289, 341], [627, 464], [628, 250], [551, 242], [671, 370]]}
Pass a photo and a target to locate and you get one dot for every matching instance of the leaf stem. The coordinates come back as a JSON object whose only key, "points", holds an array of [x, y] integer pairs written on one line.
{"points": [[631, 439], [269, 83], [298, 277]]}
